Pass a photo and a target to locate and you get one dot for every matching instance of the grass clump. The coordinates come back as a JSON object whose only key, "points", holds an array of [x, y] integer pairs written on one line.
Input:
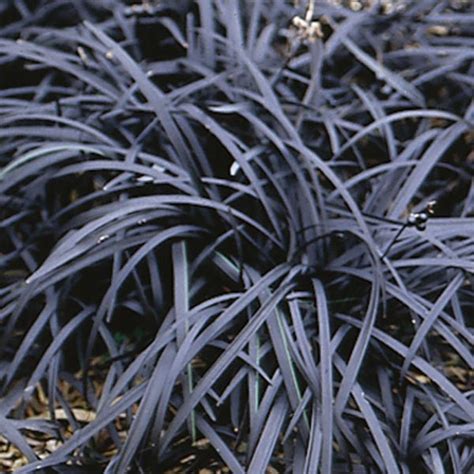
{"points": [[237, 236]]}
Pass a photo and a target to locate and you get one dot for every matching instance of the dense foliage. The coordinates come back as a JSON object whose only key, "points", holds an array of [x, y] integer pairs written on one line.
{"points": [[240, 232]]}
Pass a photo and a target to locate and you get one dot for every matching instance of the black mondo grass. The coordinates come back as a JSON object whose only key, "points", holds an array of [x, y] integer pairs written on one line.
{"points": [[236, 236]]}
